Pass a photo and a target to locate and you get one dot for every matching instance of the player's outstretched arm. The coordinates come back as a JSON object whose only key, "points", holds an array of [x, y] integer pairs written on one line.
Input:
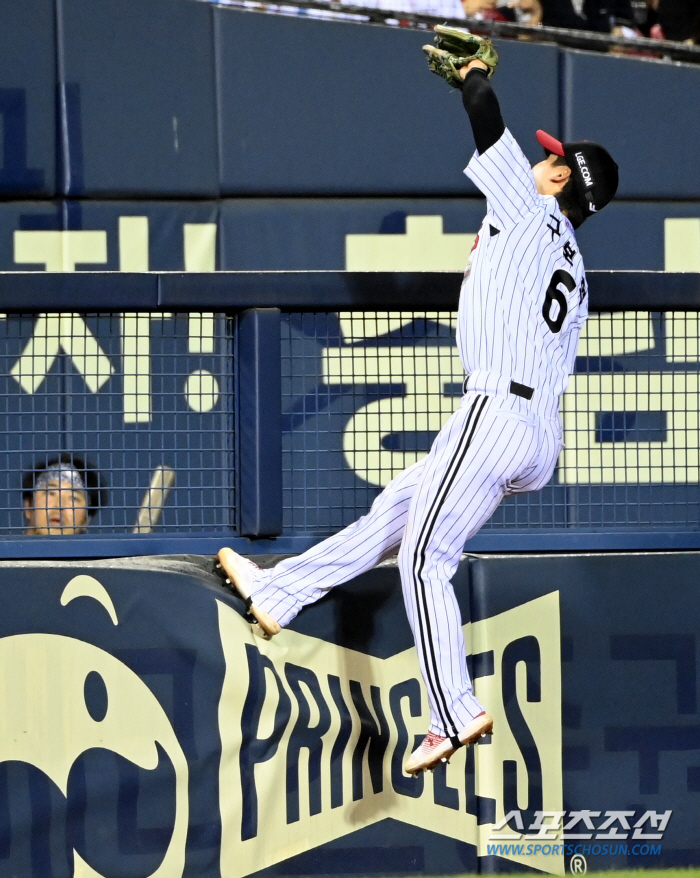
{"points": [[482, 105], [499, 168]]}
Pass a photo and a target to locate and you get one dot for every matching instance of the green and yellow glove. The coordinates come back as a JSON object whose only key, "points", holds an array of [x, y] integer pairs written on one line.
{"points": [[454, 47]]}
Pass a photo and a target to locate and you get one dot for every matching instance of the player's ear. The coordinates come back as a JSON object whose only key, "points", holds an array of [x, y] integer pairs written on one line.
{"points": [[28, 510], [560, 173]]}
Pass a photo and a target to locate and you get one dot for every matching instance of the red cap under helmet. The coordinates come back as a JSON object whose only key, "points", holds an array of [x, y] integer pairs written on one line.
{"points": [[551, 144]]}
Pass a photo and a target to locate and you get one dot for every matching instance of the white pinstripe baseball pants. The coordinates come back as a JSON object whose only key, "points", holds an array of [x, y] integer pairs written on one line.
{"points": [[490, 447]]}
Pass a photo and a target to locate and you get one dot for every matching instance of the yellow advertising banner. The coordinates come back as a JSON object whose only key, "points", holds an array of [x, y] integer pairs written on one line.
{"points": [[314, 737]]}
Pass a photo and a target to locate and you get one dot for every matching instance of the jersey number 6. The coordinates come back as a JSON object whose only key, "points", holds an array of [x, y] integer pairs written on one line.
{"points": [[554, 294]]}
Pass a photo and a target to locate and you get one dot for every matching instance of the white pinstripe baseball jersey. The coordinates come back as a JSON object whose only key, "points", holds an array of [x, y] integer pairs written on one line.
{"points": [[523, 300], [522, 306]]}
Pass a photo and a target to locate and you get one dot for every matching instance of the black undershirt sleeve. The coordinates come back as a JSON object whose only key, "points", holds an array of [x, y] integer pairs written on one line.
{"points": [[481, 103]]}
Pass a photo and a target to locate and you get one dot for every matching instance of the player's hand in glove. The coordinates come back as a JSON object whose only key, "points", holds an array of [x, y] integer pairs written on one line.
{"points": [[455, 47]]}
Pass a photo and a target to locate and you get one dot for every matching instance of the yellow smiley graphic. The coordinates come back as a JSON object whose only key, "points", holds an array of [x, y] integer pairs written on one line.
{"points": [[45, 722]]}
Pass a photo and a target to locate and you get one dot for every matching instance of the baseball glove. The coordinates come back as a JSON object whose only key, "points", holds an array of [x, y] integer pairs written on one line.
{"points": [[454, 47]]}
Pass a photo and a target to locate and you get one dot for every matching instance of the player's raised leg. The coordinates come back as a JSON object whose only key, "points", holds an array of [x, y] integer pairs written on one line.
{"points": [[482, 447], [275, 596]]}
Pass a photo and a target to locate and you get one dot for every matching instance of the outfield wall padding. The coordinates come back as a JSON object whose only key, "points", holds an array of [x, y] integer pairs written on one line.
{"points": [[145, 727], [177, 98], [28, 98], [305, 234], [139, 108]]}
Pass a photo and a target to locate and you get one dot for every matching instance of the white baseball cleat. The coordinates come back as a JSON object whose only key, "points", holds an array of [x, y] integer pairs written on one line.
{"points": [[240, 573], [436, 748]]}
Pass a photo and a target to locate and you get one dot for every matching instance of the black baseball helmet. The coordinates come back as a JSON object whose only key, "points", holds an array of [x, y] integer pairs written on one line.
{"points": [[593, 170]]}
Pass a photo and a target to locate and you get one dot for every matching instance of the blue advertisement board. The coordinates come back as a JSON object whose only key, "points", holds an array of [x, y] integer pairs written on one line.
{"points": [[305, 234], [147, 731]]}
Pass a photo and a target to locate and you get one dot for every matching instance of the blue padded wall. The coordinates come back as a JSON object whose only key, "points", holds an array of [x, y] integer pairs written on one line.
{"points": [[629, 235], [27, 98], [168, 99], [138, 96], [378, 124], [309, 233], [165, 228], [17, 215], [644, 112], [166, 222], [617, 728], [256, 234]]}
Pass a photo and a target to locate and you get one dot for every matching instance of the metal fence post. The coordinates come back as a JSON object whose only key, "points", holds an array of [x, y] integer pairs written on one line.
{"points": [[260, 422]]}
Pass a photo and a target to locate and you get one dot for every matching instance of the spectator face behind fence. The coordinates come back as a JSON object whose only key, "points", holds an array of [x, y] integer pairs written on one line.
{"points": [[523, 11], [472, 8], [58, 503]]}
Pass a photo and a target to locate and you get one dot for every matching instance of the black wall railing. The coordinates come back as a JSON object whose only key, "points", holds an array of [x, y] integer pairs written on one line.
{"points": [[232, 291]]}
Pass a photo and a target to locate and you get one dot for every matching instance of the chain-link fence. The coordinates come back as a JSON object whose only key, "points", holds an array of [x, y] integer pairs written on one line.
{"points": [[365, 394], [121, 423], [116, 423]]}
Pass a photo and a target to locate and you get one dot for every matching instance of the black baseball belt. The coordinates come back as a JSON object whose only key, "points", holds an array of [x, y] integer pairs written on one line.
{"points": [[521, 390], [516, 388]]}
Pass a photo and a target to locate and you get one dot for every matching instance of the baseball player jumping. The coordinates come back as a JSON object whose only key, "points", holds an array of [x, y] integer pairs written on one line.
{"points": [[522, 306]]}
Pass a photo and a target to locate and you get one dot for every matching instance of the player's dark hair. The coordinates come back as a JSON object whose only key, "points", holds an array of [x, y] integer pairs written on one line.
{"points": [[570, 205], [94, 482]]}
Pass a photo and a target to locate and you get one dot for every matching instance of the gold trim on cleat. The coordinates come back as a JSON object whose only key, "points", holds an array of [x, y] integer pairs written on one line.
{"points": [[235, 567]]}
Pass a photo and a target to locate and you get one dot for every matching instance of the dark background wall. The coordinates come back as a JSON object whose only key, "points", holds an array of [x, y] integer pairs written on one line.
{"points": [[337, 129]]}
